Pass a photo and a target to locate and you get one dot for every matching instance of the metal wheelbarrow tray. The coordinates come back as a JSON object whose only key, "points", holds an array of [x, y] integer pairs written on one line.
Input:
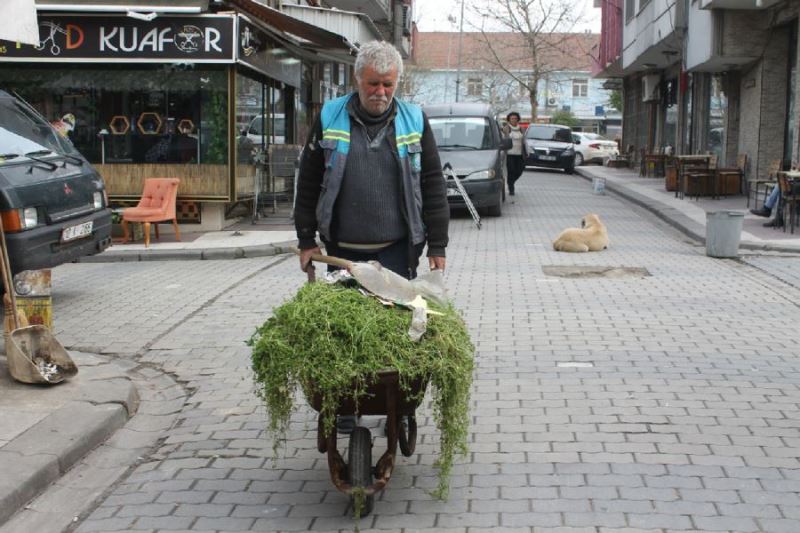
{"points": [[384, 397], [35, 356]]}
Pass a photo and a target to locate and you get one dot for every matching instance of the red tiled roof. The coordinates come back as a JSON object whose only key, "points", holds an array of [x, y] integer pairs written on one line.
{"points": [[565, 51]]}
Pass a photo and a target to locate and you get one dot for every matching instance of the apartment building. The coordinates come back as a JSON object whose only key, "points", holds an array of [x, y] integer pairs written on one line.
{"points": [[706, 75]]}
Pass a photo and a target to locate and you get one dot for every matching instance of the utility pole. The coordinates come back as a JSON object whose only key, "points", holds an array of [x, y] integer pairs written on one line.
{"points": [[460, 38]]}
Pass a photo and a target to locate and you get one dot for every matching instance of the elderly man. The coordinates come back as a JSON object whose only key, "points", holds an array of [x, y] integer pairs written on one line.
{"points": [[370, 178]]}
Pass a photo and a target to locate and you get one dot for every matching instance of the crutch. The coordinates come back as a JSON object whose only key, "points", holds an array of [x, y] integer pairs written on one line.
{"points": [[448, 170]]}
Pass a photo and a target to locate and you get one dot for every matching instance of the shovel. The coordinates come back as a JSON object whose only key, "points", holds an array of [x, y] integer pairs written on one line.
{"points": [[33, 353], [389, 285]]}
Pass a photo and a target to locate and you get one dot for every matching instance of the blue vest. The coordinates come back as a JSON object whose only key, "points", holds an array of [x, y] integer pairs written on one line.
{"points": [[408, 126]]}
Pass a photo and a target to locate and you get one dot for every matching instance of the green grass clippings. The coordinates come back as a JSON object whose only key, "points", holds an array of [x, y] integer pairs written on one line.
{"points": [[338, 339]]}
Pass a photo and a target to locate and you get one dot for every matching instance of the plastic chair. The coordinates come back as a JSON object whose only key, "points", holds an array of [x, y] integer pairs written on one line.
{"points": [[156, 205]]}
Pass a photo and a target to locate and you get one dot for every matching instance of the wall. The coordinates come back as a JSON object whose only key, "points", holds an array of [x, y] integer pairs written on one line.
{"points": [[699, 37], [749, 111], [651, 26], [437, 86], [773, 99]]}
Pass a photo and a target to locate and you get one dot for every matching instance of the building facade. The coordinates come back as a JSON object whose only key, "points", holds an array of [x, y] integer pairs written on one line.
{"points": [[709, 76], [201, 90], [437, 75]]}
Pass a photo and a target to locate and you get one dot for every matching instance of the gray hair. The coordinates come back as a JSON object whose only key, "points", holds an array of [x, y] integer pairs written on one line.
{"points": [[381, 56]]}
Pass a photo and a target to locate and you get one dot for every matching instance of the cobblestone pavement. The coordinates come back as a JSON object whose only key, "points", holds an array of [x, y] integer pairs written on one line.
{"points": [[659, 402]]}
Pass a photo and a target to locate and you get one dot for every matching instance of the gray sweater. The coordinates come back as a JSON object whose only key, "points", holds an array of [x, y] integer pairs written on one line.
{"points": [[371, 187]]}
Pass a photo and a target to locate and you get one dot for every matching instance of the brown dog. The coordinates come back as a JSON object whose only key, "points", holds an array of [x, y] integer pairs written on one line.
{"points": [[592, 236]]}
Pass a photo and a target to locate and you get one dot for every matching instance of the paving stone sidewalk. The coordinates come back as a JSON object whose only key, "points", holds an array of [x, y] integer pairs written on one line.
{"points": [[46, 430], [659, 401]]}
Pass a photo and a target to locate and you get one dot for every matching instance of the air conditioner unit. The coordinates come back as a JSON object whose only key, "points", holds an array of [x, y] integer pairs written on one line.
{"points": [[650, 87], [552, 101], [407, 19]]}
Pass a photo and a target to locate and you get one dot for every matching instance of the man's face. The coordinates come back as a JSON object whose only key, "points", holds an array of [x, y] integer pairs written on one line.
{"points": [[375, 90]]}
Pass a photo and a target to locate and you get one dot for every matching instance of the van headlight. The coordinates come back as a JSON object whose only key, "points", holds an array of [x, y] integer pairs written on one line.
{"points": [[20, 219], [29, 217], [98, 199], [480, 175]]}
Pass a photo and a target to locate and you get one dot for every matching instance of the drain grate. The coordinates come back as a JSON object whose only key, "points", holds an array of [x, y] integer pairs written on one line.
{"points": [[595, 272]]}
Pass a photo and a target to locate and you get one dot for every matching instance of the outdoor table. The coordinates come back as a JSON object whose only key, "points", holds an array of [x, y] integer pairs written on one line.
{"points": [[686, 163]]}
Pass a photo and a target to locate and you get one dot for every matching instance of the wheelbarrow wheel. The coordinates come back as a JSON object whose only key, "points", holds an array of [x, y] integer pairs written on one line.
{"points": [[407, 434], [360, 465]]}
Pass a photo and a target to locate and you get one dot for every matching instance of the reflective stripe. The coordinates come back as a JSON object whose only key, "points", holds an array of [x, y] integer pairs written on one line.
{"points": [[330, 130], [336, 137]]}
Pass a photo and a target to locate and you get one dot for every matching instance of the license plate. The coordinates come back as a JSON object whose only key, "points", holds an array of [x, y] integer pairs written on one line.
{"points": [[453, 192], [76, 232], [547, 157]]}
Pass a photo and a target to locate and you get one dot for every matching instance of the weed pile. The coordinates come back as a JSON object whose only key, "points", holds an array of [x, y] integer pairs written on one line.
{"points": [[334, 340]]}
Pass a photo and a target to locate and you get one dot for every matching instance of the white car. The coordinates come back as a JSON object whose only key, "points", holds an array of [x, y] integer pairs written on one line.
{"points": [[259, 128], [591, 147]]}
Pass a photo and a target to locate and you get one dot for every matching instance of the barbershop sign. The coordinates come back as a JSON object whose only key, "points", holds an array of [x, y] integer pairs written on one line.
{"points": [[207, 38]]}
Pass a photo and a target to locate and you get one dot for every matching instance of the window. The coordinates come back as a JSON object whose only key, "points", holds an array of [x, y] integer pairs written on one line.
{"points": [[164, 114], [474, 87], [461, 133], [630, 9], [580, 87], [523, 87]]}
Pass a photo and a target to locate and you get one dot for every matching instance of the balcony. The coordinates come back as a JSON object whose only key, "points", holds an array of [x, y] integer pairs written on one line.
{"points": [[355, 27], [737, 4], [377, 10]]}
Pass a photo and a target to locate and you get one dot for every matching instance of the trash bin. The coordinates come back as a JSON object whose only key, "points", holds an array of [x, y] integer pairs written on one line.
{"points": [[599, 185], [723, 233]]}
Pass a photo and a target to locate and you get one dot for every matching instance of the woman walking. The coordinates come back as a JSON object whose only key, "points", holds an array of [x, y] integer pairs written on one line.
{"points": [[515, 158]]}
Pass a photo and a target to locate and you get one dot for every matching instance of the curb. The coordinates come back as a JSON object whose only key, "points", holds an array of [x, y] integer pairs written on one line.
{"points": [[676, 218], [200, 254], [46, 451]]}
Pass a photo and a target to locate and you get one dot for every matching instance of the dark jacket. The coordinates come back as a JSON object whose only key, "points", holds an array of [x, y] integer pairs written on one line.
{"points": [[435, 209]]}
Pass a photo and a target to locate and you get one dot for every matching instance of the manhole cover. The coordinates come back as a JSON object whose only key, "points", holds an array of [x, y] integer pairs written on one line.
{"points": [[595, 272]]}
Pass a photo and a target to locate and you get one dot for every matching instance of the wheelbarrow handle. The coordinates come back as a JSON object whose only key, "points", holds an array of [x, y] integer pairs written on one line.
{"points": [[328, 259]]}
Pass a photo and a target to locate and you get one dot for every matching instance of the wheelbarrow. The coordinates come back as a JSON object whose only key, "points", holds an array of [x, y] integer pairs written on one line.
{"points": [[384, 397]]}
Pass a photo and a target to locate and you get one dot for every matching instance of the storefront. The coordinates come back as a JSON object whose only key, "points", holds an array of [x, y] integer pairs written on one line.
{"points": [[198, 97]]}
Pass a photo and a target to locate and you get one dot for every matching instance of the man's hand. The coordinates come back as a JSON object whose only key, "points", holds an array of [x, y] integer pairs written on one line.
{"points": [[305, 257], [436, 263]]}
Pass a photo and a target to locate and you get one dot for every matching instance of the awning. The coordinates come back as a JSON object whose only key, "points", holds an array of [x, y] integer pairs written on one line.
{"points": [[306, 35], [110, 6]]}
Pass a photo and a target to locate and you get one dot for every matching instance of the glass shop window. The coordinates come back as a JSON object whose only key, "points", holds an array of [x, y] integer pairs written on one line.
{"points": [[167, 114]]}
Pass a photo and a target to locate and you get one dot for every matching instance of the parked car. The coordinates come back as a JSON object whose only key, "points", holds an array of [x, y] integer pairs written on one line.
{"points": [[593, 148], [469, 138], [259, 127], [551, 146], [53, 202]]}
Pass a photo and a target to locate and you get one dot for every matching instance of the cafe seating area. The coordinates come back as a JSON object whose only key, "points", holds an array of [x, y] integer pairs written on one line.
{"points": [[700, 175]]}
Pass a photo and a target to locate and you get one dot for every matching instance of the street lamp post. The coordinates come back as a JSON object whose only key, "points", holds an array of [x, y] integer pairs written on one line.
{"points": [[460, 38]]}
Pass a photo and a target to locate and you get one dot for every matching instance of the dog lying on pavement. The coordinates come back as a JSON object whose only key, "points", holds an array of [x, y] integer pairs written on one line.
{"points": [[592, 236]]}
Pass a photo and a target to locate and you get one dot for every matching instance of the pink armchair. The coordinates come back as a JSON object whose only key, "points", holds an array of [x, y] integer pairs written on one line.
{"points": [[156, 205]]}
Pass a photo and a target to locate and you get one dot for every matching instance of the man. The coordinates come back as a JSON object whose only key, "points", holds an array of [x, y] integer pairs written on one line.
{"points": [[771, 201], [370, 179]]}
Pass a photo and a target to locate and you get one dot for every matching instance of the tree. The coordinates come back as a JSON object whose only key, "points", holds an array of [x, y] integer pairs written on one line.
{"points": [[534, 40], [565, 118], [615, 99]]}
